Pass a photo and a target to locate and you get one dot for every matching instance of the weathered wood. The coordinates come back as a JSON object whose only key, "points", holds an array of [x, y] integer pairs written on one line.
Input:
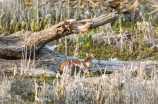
{"points": [[51, 62], [25, 43]]}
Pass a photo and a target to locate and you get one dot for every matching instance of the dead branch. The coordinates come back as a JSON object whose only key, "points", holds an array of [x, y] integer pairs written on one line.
{"points": [[26, 41]]}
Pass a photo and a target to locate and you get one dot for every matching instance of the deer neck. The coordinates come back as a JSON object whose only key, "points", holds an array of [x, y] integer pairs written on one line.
{"points": [[88, 63]]}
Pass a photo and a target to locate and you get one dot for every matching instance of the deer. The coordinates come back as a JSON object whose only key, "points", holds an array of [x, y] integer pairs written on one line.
{"points": [[75, 65]]}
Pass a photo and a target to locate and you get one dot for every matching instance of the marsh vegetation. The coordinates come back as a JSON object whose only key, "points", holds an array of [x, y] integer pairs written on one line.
{"points": [[132, 38]]}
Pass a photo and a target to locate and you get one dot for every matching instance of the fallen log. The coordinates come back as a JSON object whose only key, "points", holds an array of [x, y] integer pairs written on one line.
{"points": [[48, 63], [21, 48], [24, 43]]}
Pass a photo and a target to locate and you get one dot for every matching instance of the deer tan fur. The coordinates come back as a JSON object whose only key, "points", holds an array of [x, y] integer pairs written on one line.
{"points": [[77, 65]]}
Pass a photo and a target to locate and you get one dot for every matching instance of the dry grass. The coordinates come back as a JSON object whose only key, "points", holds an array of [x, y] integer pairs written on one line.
{"points": [[125, 86]]}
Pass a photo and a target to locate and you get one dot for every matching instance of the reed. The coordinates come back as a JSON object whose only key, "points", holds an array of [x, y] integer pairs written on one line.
{"points": [[125, 86]]}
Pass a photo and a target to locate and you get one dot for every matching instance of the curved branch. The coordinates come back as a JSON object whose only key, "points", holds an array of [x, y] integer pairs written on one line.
{"points": [[14, 44]]}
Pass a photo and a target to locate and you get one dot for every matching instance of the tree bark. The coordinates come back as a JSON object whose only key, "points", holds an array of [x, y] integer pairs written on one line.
{"points": [[24, 43], [20, 47], [49, 62]]}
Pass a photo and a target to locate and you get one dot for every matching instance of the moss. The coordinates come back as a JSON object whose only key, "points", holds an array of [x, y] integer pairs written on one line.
{"points": [[30, 97], [48, 79], [81, 97], [120, 87], [134, 74]]}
